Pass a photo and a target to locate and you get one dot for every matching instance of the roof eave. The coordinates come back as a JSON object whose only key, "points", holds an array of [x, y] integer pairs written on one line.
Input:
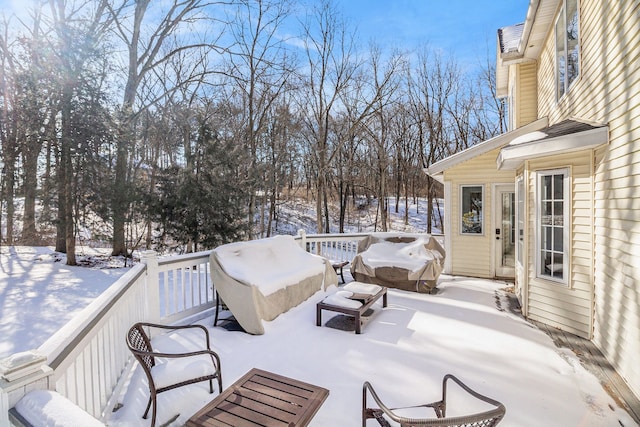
{"points": [[540, 15], [512, 157], [437, 169]]}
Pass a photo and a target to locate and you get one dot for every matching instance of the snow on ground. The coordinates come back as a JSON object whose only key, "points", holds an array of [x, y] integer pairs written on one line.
{"points": [[39, 293], [296, 214], [404, 351]]}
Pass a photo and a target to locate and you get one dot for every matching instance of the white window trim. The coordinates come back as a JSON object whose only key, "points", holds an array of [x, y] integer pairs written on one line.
{"points": [[567, 86], [482, 222], [566, 246]]}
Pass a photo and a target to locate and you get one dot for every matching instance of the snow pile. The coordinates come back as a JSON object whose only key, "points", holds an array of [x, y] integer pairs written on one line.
{"points": [[48, 408], [410, 256]]}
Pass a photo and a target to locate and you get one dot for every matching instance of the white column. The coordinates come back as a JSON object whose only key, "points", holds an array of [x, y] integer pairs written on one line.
{"points": [[150, 259]]}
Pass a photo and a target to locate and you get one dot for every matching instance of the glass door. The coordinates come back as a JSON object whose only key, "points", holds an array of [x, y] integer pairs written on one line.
{"points": [[505, 232]]}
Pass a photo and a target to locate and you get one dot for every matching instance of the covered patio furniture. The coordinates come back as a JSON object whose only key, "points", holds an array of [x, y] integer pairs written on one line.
{"points": [[167, 371], [260, 279], [412, 262], [490, 417]]}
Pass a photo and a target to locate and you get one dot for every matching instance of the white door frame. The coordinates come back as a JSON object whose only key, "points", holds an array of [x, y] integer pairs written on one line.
{"points": [[498, 233]]}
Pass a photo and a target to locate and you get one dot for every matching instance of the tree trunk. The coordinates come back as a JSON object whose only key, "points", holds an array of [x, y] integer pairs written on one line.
{"points": [[70, 237], [429, 204], [9, 189], [61, 218], [30, 162], [67, 198], [119, 202]]}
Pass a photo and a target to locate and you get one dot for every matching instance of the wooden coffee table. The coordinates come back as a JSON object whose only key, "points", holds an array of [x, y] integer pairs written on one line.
{"points": [[265, 399], [367, 301]]}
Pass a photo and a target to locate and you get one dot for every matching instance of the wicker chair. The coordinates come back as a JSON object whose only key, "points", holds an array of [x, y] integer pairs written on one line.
{"points": [[488, 418], [204, 365]]}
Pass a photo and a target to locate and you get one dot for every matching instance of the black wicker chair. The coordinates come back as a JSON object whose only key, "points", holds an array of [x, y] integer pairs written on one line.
{"points": [[487, 418], [139, 343]]}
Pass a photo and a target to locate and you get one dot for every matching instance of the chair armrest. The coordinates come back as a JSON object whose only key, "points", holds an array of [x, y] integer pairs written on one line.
{"points": [[178, 355], [497, 412], [179, 327], [467, 389], [367, 387]]}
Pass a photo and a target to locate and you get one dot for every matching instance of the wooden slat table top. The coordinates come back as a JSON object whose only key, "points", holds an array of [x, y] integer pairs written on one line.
{"points": [[262, 399]]}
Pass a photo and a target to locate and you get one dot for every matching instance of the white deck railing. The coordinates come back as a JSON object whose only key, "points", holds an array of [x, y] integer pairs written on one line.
{"points": [[87, 360]]}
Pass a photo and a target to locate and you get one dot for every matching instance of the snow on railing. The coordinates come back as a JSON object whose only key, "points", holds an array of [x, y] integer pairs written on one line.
{"points": [[336, 247], [88, 361]]}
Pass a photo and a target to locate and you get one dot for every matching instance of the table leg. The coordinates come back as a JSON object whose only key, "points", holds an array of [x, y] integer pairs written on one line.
{"points": [[318, 315]]}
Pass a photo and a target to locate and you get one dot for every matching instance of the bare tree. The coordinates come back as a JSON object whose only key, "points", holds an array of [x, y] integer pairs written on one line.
{"points": [[78, 27], [8, 128], [334, 70], [431, 84], [145, 37], [378, 127], [331, 66], [260, 68]]}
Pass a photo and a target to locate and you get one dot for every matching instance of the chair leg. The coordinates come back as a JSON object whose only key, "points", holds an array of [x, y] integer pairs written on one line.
{"points": [[153, 416], [146, 412], [376, 414], [215, 319], [153, 412], [210, 386]]}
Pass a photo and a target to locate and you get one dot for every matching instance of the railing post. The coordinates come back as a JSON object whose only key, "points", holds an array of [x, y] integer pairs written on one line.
{"points": [[150, 259], [303, 239], [20, 374]]}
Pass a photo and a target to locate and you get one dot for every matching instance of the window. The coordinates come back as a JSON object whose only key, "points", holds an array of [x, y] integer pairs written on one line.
{"points": [[567, 47], [472, 214], [553, 225], [520, 219]]}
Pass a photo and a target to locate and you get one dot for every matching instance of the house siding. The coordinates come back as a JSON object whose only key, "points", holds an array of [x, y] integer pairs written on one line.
{"points": [[607, 91], [567, 307], [471, 255], [527, 109]]}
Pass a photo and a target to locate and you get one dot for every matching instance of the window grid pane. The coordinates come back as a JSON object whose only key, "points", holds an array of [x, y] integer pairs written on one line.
{"points": [[567, 40], [552, 225], [572, 41], [472, 213], [560, 55]]}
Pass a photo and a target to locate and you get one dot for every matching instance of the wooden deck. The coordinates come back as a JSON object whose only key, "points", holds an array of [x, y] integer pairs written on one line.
{"points": [[594, 361], [589, 355]]}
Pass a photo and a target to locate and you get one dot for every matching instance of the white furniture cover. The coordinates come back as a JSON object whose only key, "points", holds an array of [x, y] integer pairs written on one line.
{"points": [[260, 279]]}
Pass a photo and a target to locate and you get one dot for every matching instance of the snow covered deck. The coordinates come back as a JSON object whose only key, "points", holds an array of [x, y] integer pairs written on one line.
{"points": [[465, 329]]}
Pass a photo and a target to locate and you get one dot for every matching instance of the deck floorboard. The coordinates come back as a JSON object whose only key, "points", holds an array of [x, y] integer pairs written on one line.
{"points": [[594, 361]]}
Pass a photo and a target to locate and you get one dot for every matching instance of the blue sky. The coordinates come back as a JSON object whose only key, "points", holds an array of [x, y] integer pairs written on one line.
{"points": [[466, 29]]}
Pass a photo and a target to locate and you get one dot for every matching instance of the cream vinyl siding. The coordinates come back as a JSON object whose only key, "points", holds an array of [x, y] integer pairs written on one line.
{"points": [[472, 255], [527, 99], [608, 91], [567, 307]]}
